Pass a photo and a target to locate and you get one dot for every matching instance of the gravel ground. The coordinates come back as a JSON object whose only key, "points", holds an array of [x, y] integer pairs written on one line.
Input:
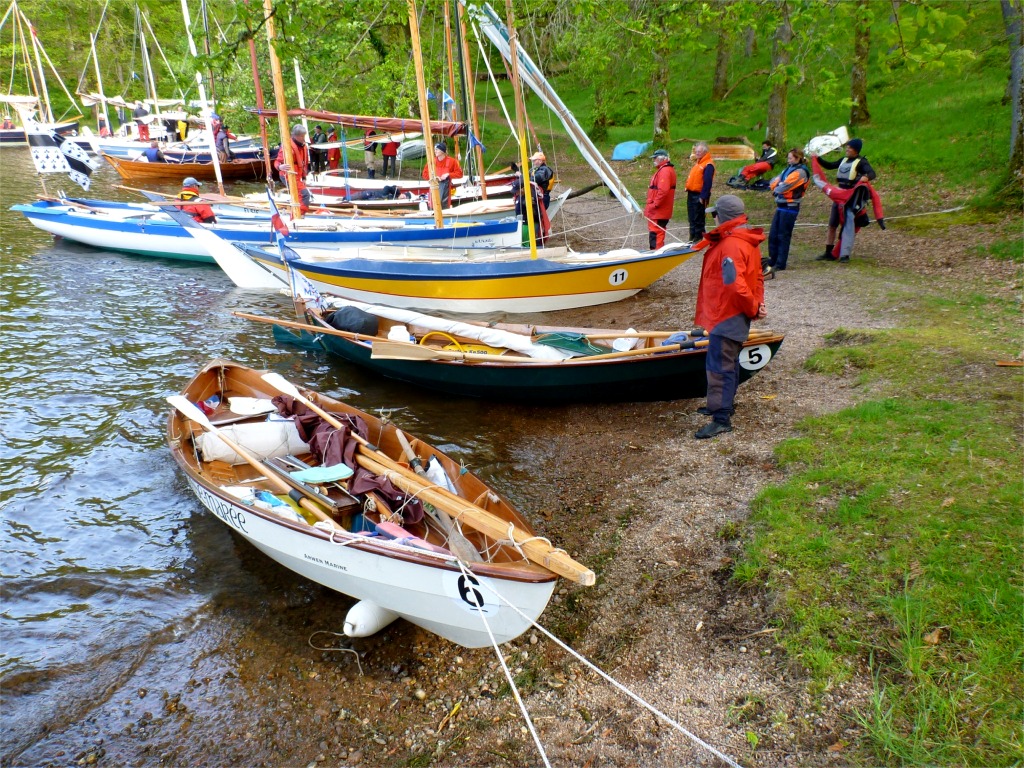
{"points": [[659, 515]]}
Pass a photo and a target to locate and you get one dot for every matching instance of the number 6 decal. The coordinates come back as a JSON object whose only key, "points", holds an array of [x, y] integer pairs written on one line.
{"points": [[756, 357]]}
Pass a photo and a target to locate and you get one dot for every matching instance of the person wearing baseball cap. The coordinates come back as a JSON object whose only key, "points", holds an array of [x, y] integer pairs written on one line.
{"points": [[661, 198], [729, 296], [447, 168], [201, 212], [851, 169]]}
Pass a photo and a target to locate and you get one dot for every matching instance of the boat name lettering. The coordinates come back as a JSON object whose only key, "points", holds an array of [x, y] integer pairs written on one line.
{"points": [[321, 561], [618, 277], [226, 511]]}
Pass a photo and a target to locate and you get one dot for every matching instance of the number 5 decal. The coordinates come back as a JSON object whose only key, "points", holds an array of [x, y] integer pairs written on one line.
{"points": [[755, 358]]}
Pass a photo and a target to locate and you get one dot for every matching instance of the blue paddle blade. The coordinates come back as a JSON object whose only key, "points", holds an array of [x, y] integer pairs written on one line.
{"points": [[323, 474]]}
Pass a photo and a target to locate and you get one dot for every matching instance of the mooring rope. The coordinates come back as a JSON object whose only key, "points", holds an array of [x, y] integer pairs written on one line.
{"points": [[615, 683], [507, 671]]}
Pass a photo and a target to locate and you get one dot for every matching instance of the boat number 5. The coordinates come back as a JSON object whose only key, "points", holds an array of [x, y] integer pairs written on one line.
{"points": [[468, 591], [755, 358], [618, 277]]}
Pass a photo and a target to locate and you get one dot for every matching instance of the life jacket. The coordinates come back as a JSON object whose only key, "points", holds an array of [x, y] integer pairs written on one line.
{"points": [[695, 179], [201, 212], [847, 172], [791, 195]]}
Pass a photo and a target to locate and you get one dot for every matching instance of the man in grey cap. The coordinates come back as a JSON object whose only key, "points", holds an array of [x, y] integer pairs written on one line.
{"points": [[730, 295]]}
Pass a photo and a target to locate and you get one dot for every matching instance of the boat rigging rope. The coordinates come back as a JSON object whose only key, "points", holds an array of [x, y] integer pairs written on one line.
{"points": [[508, 673], [615, 683]]}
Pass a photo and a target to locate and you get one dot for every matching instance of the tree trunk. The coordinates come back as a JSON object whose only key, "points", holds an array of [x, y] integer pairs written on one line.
{"points": [[1015, 36], [661, 104], [599, 128], [859, 114], [750, 42], [720, 85], [777, 100]]}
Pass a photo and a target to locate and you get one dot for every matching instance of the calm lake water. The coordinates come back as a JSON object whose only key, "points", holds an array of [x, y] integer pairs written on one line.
{"points": [[107, 559]]}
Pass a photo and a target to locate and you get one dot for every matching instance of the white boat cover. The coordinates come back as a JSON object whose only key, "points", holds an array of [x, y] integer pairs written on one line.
{"points": [[494, 337]]}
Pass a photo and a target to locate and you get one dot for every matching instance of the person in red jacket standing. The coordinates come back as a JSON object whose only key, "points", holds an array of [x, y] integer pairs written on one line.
{"points": [[661, 197], [730, 295], [448, 169]]}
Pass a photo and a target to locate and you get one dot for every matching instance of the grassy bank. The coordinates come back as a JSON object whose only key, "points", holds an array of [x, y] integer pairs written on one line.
{"points": [[895, 547]]}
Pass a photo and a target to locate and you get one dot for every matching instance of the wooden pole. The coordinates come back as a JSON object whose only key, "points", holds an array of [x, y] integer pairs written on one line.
{"points": [[524, 162], [421, 88], [282, 108], [469, 84]]}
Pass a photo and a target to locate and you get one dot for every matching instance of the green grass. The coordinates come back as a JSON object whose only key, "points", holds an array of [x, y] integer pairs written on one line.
{"points": [[896, 545]]}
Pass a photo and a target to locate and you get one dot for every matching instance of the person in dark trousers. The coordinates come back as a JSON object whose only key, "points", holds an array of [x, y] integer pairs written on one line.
{"points": [[698, 189], [389, 156], [201, 212], [661, 198], [729, 296], [542, 175], [851, 169], [317, 157], [788, 188]]}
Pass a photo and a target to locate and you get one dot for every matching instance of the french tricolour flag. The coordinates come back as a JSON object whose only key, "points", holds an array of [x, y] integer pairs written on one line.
{"points": [[53, 154], [275, 217]]}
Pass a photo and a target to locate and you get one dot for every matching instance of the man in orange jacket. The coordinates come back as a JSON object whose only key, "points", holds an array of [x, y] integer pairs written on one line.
{"points": [[698, 189], [201, 212], [296, 174], [661, 198], [729, 296]]}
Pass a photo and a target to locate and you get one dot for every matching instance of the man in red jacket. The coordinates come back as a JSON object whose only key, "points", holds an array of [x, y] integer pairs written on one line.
{"points": [[730, 295], [661, 197]]}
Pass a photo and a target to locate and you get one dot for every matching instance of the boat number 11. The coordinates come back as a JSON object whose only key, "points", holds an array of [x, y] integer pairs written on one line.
{"points": [[618, 277]]}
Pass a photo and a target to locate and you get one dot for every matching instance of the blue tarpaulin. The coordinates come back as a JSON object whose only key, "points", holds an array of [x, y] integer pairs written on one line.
{"points": [[629, 150]]}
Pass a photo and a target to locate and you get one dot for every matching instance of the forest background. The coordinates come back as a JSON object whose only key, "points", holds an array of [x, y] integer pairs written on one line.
{"points": [[929, 465]]}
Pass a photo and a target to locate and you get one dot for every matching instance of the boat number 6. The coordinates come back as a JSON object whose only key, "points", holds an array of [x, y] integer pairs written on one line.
{"points": [[468, 591], [618, 277], [755, 358]]}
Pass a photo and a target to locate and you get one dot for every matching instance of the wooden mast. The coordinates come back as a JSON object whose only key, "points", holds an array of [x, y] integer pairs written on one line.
{"points": [[469, 86], [421, 88], [202, 96], [524, 167], [282, 108], [451, 69]]}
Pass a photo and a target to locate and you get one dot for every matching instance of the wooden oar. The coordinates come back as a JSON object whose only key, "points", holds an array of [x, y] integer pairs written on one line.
{"points": [[305, 327], [536, 550], [459, 544], [191, 412]]}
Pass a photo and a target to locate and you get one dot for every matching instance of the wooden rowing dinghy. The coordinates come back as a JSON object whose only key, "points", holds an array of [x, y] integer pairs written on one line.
{"points": [[400, 555]]}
